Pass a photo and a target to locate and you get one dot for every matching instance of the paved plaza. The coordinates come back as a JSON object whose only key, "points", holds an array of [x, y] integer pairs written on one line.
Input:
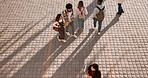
{"points": [[29, 47]]}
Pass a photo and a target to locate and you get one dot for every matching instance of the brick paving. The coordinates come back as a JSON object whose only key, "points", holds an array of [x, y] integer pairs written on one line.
{"points": [[29, 47]]}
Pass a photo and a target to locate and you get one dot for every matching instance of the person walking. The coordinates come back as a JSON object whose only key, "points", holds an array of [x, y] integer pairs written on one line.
{"points": [[81, 12], [98, 15], [68, 19], [58, 26]]}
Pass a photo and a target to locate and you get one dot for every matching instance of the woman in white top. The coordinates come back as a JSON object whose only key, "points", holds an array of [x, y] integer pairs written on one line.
{"points": [[58, 25], [81, 13]]}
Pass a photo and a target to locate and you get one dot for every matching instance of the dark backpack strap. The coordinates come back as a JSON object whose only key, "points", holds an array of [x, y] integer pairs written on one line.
{"points": [[101, 9]]}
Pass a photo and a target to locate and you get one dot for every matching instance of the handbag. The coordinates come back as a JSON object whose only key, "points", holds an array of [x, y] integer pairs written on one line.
{"points": [[56, 29]]}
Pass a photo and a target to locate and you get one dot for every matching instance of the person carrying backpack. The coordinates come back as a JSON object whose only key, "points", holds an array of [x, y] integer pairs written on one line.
{"points": [[98, 15]]}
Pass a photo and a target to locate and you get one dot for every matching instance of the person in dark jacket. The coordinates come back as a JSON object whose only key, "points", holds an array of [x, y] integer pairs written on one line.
{"points": [[120, 9]]}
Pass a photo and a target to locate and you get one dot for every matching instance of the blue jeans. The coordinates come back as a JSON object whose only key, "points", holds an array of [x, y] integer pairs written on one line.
{"points": [[81, 23], [99, 24]]}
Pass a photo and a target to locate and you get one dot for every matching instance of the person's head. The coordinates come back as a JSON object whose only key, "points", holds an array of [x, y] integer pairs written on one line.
{"points": [[99, 2], [58, 17], [94, 67], [80, 5], [69, 7]]}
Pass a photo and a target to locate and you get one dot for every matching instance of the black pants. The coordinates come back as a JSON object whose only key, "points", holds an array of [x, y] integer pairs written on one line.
{"points": [[120, 9], [62, 33]]}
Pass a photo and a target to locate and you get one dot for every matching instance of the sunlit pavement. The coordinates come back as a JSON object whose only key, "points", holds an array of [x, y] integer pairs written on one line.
{"points": [[29, 47]]}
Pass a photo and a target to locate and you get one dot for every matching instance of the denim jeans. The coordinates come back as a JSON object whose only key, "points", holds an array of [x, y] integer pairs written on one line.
{"points": [[70, 25], [81, 23]]}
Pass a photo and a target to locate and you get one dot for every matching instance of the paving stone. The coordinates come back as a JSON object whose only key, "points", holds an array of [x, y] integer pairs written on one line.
{"points": [[29, 47]]}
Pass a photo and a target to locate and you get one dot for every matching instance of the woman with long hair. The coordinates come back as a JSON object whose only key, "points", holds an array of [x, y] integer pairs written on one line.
{"points": [[81, 13], [93, 71], [58, 25]]}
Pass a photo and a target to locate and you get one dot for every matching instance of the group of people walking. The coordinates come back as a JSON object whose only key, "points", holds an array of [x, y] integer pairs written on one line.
{"points": [[65, 21]]}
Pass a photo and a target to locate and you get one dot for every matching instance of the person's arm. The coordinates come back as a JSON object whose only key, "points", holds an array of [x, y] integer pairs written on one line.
{"points": [[94, 13], [85, 11], [77, 12], [63, 18], [72, 16], [89, 76]]}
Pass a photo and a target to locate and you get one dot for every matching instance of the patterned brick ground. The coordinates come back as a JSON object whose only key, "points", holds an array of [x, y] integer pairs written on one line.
{"points": [[29, 47]]}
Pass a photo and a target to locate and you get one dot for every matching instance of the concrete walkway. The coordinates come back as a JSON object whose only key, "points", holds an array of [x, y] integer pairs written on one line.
{"points": [[29, 47]]}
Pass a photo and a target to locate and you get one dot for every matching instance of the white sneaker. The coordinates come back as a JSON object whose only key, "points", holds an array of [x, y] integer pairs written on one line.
{"points": [[98, 33], [67, 33], [63, 40], [74, 36], [58, 38]]}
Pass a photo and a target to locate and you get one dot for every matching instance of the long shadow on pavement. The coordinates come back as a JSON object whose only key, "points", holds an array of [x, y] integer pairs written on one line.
{"points": [[16, 34], [20, 35], [70, 68], [28, 41], [59, 49], [34, 68]]}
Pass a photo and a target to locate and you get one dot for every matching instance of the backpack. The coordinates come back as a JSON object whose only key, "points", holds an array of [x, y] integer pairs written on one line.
{"points": [[100, 15]]}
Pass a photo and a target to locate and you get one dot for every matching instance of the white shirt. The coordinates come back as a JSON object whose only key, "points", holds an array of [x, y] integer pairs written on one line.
{"points": [[84, 10], [69, 14], [96, 10]]}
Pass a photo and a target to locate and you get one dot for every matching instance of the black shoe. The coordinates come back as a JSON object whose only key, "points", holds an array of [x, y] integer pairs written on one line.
{"points": [[122, 11], [119, 13]]}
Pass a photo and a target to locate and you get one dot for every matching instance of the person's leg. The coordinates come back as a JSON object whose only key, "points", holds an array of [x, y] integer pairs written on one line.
{"points": [[82, 23], [79, 23], [66, 28], [99, 25], [95, 21], [72, 27], [62, 33]]}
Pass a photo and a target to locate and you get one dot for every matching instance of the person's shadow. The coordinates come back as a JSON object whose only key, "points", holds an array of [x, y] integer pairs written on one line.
{"points": [[114, 21], [72, 66]]}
